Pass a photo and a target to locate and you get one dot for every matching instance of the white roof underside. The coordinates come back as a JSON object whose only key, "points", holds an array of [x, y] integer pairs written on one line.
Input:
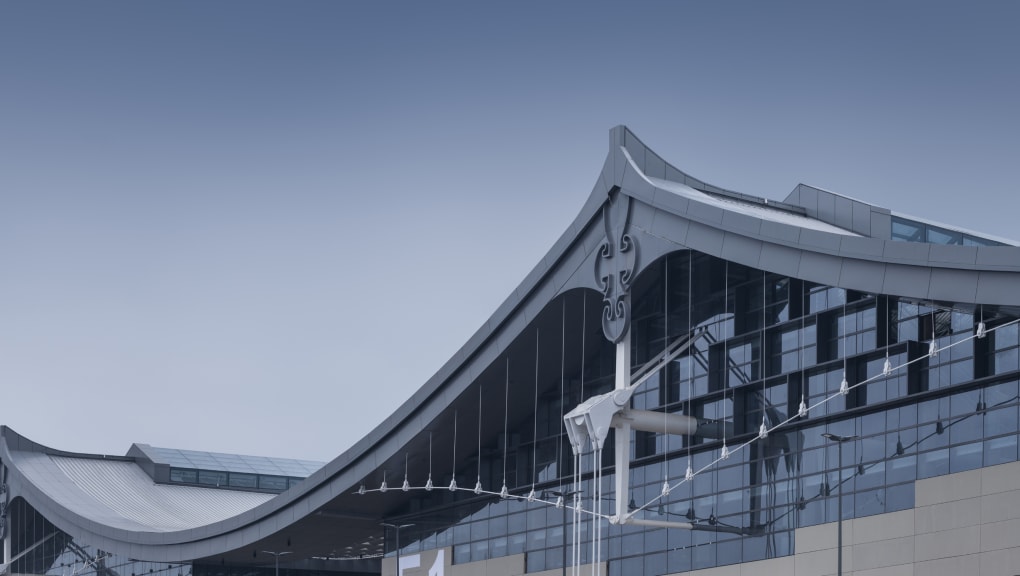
{"points": [[119, 494], [748, 209]]}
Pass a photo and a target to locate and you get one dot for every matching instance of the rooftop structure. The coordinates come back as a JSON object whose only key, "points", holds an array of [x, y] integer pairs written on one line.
{"points": [[170, 465]]}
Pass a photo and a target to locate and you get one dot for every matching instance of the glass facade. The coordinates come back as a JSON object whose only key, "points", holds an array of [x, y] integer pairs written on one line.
{"points": [[39, 547], [732, 347], [764, 344], [905, 230], [213, 469], [238, 480]]}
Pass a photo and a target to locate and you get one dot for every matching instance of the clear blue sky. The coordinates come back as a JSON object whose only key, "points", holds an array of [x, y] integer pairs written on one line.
{"points": [[258, 227]]}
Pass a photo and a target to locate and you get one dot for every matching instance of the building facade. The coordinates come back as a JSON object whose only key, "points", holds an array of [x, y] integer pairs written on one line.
{"points": [[692, 379]]}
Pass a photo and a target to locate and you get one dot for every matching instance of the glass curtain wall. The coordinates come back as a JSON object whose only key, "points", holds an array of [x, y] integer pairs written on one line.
{"points": [[510, 425], [762, 344], [768, 342], [39, 547]]}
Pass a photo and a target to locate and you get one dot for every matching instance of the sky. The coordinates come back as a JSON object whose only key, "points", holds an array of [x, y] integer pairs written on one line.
{"points": [[259, 227]]}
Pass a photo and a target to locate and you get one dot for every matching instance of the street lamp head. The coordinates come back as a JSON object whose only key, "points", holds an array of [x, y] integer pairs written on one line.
{"points": [[838, 438], [563, 493]]}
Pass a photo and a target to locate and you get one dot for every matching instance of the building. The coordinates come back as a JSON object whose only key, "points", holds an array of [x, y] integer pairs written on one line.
{"points": [[748, 368]]}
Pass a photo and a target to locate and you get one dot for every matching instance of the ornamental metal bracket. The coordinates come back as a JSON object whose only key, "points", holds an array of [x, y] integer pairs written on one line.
{"points": [[614, 266], [5, 501], [592, 419]]}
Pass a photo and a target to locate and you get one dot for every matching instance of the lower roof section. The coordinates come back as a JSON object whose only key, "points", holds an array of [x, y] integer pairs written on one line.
{"points": [[119, 494]]}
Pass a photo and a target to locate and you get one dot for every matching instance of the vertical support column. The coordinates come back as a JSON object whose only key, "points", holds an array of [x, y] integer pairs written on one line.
{"points": [[622, 432]]}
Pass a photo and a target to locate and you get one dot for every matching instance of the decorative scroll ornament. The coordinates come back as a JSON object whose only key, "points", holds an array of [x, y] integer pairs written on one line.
{"points": [[614, 266], [5, 500]]}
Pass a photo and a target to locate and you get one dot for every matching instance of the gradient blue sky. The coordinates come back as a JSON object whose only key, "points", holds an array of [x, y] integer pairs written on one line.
{"points": [[206, 207]]}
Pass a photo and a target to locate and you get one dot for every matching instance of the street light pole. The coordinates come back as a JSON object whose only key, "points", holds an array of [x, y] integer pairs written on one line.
{"points": [[396, 528], [277, 556], [562, 497], [839, 440]]}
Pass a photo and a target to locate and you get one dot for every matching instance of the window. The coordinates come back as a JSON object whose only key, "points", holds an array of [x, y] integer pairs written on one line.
{"points": [[907, 231], [238, 480], [274, 483], [212, 478], [940, 236], [904, 230], [183, 476]]}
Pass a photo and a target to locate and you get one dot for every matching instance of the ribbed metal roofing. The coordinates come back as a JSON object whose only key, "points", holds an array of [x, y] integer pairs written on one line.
{"points": [[756, 210], [231, 462], [119, 493]]}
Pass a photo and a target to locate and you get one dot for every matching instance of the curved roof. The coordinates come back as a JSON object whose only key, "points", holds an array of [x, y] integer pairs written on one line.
{"points": [[118, 493], [812, 235]]}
